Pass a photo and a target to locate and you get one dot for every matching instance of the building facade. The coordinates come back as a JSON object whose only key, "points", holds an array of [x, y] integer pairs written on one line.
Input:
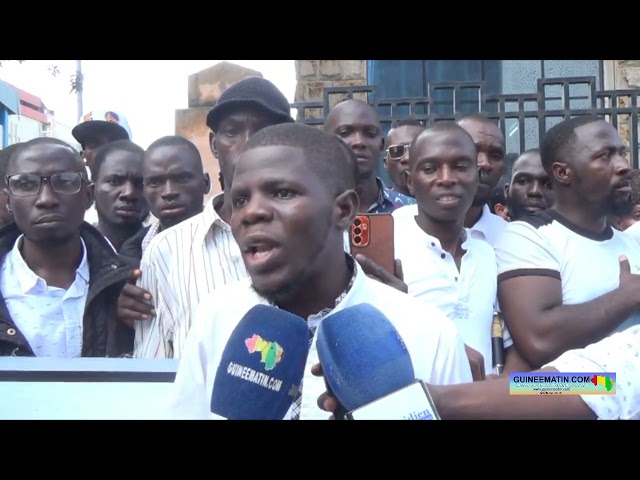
{"points": [[527, 97]]}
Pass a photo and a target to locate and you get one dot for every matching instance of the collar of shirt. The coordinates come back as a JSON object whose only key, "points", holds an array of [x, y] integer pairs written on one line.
{"points": [[152, 232], [485, 224], [209, 219], [434, 242], [27, 279]]}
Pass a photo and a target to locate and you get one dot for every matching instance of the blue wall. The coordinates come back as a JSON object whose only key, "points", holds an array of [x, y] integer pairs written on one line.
{"points": [[4, 121]]}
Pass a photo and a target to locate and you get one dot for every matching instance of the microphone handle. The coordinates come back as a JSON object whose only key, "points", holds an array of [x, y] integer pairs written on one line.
{"points": [[497, 343], [497, 349]]}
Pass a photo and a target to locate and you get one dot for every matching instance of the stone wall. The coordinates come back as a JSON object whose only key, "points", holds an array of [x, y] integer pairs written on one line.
{"points": [[626, 76], [204, 88], [315, 75]]}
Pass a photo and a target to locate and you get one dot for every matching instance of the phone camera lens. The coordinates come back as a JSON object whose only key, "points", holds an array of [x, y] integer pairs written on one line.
{"points": [[357, 239], [357, 231], [357, 222]]}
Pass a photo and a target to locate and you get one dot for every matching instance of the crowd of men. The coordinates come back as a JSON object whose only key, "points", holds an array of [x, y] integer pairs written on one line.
{"points": [[114, 252]]}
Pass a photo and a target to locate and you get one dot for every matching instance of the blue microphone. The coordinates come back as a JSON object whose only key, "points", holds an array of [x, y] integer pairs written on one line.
{"points": [[262, 366], [368, 368]]}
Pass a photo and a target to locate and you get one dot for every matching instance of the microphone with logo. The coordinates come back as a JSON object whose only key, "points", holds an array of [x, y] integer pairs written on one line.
{"points": [[262, 366], [368, 369]]}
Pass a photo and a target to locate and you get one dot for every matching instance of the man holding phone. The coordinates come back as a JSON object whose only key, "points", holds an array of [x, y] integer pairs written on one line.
{"points": [[357, 124]]}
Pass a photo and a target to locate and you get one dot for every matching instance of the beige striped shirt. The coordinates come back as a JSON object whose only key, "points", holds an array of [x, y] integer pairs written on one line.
{"points": [[180, 266]]}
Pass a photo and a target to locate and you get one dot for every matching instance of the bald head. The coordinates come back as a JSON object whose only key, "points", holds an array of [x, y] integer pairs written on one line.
{"points": [[490, 145], [348, 106], [357, 124]]}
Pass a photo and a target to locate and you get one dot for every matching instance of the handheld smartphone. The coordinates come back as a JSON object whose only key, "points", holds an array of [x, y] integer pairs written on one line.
{"points": [[372, 236]]}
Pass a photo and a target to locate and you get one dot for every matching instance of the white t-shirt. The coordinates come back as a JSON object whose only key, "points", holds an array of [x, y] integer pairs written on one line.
{"points": [[467, 296], [587, 264], [433, 342], [634, 231], [619, 354]]}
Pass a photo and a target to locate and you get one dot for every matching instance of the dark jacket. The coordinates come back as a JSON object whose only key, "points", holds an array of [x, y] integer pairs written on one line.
{"points": [[132, 247], [103, 335]]}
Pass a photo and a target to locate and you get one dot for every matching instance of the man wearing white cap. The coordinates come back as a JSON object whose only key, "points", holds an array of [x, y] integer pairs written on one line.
{"points": [[97, 128]]}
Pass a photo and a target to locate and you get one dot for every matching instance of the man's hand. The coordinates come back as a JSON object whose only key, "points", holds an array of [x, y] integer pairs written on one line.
{"points": [[628, 281], [476, 361], [325, 401], [134, 302], [372, 269]]}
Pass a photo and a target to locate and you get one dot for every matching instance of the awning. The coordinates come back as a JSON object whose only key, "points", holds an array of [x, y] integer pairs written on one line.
{"points": [[9, 97]]}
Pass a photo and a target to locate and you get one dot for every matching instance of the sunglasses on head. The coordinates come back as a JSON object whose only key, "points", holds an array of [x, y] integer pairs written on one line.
{"points": [[396, 152]]}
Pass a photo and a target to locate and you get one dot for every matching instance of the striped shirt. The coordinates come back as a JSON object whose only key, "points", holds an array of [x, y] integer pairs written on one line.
{"points": [[180, 266]]}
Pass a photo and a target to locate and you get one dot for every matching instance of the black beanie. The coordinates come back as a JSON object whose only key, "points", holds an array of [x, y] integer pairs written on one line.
{"points": [[253, 91]]}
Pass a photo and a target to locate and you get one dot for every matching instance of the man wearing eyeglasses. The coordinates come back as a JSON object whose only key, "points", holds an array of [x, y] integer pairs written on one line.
{"points": [[59, 278], [396, 159]]}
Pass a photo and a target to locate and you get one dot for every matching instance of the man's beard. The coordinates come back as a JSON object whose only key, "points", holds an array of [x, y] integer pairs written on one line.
{"points": [[285, 292], [514, 210], [619, 208], [364, 175]]}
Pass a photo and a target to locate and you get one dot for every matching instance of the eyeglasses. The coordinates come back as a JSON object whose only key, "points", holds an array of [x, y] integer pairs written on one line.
{"points": [[27, 184], [396, 152]]}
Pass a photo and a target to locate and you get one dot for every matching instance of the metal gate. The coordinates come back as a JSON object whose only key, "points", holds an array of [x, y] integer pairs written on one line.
{"points": [[523, 118]]}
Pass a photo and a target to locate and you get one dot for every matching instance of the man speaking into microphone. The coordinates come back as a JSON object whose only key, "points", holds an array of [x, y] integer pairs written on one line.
{"points": [[293, 196]]}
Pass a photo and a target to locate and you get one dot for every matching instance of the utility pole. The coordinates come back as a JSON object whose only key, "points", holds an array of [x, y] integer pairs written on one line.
{"points": [[79, 90]]}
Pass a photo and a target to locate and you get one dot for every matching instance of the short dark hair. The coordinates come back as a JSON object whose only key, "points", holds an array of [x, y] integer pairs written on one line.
{"points": [[526, 152], [105, 150], [5, 153], [175, 141], [561, 138], [408, 122], [482, 118], [332, 160], [441, 126], [23, 146], [498, 195]]}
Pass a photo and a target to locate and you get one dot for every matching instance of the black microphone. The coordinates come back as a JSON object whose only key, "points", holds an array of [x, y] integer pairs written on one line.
{"points": [[262, 366]]}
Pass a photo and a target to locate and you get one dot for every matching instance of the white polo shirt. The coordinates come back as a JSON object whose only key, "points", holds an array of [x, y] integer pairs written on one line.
{"points": [[433, 342], [587, 264], [619, 354], [467, 296], [488, 227]]}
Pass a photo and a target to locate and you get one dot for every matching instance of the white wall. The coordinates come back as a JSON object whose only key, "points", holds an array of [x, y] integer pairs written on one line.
{"points": [[63, 132], [22, 129]]}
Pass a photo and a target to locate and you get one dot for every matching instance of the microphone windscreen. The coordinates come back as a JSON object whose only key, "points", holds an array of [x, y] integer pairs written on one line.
{"points": [[262, 366], [363, 356]]}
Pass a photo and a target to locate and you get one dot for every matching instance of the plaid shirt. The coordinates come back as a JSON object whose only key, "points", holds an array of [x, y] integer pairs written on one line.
{"points": [[294, 411], [389, 200]]}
